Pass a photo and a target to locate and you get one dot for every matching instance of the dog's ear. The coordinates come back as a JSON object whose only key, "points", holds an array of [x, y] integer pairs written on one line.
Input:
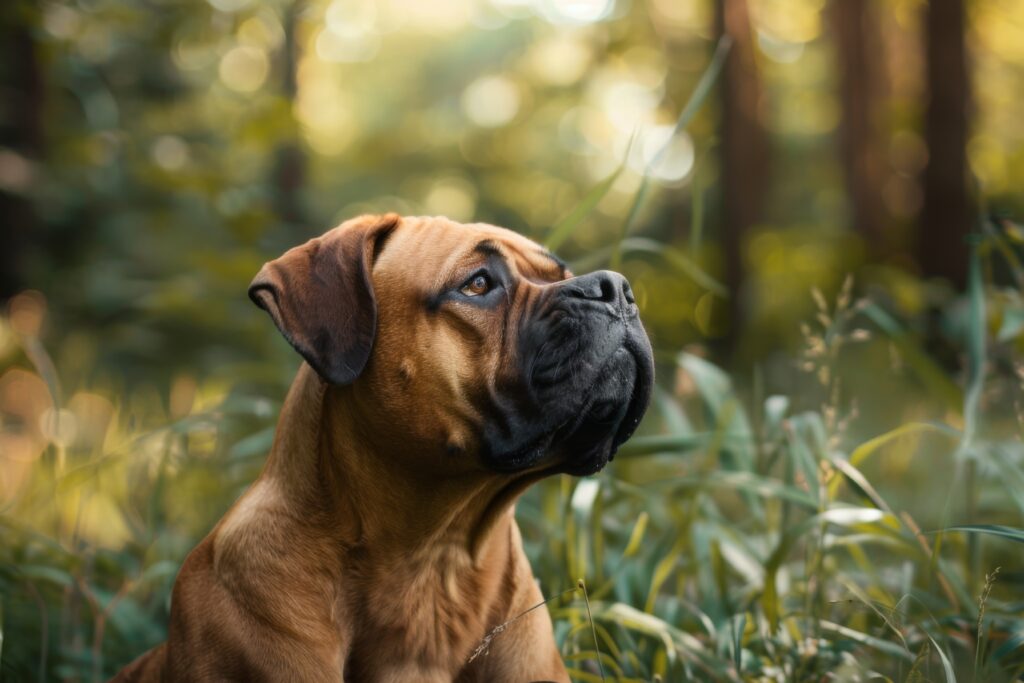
{"points": [[320, 296]]}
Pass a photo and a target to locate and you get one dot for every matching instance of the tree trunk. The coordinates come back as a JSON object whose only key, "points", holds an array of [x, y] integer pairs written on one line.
{"points": [[744, 152], [946, 216], [861, 83], [21, 133]]}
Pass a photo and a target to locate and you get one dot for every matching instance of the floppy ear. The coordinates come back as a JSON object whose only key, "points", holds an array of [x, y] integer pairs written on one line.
{"points": [[321, 297]]}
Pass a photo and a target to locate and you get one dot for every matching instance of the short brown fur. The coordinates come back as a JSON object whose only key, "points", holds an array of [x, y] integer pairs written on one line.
{"points": [[371, 548]]}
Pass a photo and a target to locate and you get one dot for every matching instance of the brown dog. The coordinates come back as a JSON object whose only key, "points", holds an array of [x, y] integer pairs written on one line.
{"points": [[448, 367]]}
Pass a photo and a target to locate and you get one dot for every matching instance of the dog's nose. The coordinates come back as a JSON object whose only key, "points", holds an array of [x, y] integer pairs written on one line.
{"points": [[603, 285]]}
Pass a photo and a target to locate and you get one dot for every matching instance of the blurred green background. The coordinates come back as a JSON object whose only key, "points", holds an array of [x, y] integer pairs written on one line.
{"points": [[817, 213]]}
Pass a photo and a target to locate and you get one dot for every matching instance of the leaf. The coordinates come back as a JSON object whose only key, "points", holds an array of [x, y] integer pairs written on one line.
{"points": [[1007, 532], [648, 445], [928, 371], [677, 259], [45, 573], [805, 461], [947, 667], [1011, 475], [675, 419], [865, 639], [662, 570], [851, 516], [565, 227], [871, 446], [975, 348], [860, 483], [697, 98], [1011, 645], [257, 444], [158, 571], [716, 390], [742, 481], [775, 409], [1013, 323], [582, 504], [637, 535]]}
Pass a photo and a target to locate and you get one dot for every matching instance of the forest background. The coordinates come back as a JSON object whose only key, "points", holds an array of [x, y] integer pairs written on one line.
{"points": [[817, 203]]}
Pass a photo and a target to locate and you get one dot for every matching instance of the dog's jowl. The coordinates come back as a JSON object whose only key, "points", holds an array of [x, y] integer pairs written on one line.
{"points": [[447, 368]]}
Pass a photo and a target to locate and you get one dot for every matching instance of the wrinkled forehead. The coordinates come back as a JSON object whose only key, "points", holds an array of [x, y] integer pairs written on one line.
{"points": [[437, 248]]}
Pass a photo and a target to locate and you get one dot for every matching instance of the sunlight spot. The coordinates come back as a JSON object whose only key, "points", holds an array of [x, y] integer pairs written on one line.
{"points": [[58, 426], [664, 156], [351, 18], [16, 172], [60, 21], [452, 197], [628, 104], [261, 32], [560, 60], [170, 152], [575, 12], [354, 47], [244, 69], [491, 101], [781, 51], [229, 5]]}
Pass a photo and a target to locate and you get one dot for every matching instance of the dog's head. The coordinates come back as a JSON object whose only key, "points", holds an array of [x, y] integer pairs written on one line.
{"points": [[465, 346]]}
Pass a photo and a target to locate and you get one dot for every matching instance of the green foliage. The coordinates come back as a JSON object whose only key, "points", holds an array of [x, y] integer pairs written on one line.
{"points": [[771, 556]]}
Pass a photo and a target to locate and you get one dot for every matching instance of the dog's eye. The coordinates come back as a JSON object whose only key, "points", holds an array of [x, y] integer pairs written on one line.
{"points": [[477, 285]]}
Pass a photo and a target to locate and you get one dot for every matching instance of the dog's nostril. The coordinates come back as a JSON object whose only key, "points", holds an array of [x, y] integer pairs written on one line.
{"points": [[608, 290], [627, 292]]}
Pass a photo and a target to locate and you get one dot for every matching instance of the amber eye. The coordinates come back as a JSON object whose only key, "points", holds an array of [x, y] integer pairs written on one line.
{"points": [[477, 285]]}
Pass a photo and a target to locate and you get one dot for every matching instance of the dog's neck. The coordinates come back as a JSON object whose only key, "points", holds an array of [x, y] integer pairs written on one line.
{"points": [[322, 462]]}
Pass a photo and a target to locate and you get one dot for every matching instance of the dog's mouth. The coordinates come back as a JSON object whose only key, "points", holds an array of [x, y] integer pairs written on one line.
{"points": [[589, 443], [587, 372], [586, 440]]}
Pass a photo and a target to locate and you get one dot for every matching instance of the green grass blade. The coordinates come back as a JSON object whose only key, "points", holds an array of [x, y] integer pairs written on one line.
{"points": [[927, 370], [743, 482], [1010, 646], [693, 105], [856, 636], [677, 259], [975, 348], [1010, 475], [870, 447], [947, 666], [565, 227], [697, 207], [648, 445], [1000, 530]]}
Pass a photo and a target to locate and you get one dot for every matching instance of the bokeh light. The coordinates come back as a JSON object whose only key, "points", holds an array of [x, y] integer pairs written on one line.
{"points": [[244, 68], [491, 101]]}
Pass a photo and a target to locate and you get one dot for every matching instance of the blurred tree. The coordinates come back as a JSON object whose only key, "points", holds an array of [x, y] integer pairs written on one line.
{"points": [[861, 140], [744, 150], [21, 138], [946, 216]]}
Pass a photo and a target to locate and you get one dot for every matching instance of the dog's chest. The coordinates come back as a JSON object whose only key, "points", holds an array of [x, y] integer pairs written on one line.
{"points": [[424, 620]]}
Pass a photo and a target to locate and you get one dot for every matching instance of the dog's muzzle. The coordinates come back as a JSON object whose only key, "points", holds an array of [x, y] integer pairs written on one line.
{"points": [[587, 373]]}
